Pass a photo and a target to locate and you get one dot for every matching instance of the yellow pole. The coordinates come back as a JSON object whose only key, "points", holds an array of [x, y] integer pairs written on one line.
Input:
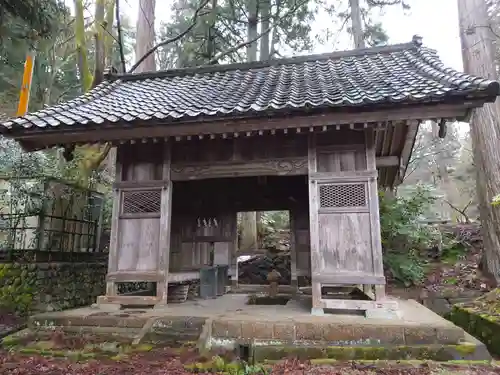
{"points": [[24, 97]]}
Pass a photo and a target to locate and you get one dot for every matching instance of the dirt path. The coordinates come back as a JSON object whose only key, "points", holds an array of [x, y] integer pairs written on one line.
{"points": [[164, 361]]}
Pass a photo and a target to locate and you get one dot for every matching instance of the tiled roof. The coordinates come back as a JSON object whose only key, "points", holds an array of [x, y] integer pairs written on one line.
{"points": [[405, 73]]}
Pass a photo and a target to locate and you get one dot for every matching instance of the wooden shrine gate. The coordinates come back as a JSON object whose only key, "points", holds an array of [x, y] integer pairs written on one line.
{"points": [[140, 230], [344, 220]]}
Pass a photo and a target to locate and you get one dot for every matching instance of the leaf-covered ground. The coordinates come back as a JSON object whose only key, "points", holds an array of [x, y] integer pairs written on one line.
{"points": [[165, 362]]}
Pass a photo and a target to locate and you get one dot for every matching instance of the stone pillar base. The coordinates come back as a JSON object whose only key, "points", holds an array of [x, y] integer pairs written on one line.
{"points": [[316, 311]]}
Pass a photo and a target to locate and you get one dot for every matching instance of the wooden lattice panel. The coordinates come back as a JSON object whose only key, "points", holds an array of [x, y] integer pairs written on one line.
{"points": [[342, 195], [138, 202]]}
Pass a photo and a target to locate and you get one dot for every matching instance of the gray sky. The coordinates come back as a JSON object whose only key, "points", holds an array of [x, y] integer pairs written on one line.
{"points": [[435, 20]]}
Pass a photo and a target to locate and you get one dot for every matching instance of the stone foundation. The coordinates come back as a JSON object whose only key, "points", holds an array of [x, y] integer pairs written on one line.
{"points": [[481, 318], [40, 287]]}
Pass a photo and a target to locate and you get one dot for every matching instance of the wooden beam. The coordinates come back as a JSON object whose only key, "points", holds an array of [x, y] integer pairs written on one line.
{"points": [[347, 278], [266, 167], [134, 276], [411, 136], [107, 132], [128, 300], [341, 304], [387, 161]]}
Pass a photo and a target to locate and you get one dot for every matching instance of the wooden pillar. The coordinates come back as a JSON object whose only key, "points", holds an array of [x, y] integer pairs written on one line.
{"points": [[111, 288], [317, 307], [376, 239], [293, 251], [165, 227], [234, 253]]}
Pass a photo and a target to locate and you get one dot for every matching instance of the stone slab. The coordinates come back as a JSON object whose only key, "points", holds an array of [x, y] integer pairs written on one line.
{"points": [[267, 351], [231, 318]]}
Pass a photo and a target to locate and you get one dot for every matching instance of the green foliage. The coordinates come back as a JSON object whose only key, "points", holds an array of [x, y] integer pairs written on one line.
{"points": [[220, 366], [401, 221], [38, 16], [496, 200], [271, 229], [405, 237], [227, 29], [16, 289], [406, 269], [54, 72]]}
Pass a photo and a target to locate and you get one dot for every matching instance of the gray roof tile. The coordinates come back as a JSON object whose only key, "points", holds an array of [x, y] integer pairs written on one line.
{"points": [[406, 73]]}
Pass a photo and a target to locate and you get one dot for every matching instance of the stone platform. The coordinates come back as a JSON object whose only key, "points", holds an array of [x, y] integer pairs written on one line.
{"points": [[276, 331]]}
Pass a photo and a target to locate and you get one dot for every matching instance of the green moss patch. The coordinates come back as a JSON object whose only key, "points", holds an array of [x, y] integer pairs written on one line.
{"points": [[60, 346], [345, 353], [481, 318], [219, 365]]}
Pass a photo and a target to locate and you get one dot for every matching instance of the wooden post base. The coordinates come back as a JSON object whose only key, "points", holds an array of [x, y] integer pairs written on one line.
{"points": [[128, 300]]}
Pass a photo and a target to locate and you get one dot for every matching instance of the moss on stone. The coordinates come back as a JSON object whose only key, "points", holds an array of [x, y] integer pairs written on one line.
{"points": [[481, 318], [119, 357], [142, 348], [29, 288], [216, 365], [465, 349], [344, 353], [17, 338]]}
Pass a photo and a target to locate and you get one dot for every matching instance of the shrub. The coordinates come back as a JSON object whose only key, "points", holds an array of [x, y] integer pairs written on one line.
{"points": [[405, 237]]}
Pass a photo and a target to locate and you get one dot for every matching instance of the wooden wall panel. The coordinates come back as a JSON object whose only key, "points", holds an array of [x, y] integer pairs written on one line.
{"points": [[138, 242], [238, 157], [141, 162], [341, 160], [210, 151], [344, 243], [196, 239], [302, 243]]}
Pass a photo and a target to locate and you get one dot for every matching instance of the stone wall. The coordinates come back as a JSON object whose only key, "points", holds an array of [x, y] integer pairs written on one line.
{"points": [[36, 287]]}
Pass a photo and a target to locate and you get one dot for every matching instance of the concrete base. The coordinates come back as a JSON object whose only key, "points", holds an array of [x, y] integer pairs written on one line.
{"points": [[230, 321], [316, 311], [106, 306], [382, 314]]}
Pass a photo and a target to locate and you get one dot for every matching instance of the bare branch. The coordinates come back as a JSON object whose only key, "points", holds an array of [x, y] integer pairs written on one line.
{"points": [[463, 211], [267, 31], [194, 21]]}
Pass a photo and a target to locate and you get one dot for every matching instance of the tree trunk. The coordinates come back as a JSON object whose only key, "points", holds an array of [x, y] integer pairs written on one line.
{"points": [[100, 58], [249, 238], [108, 32], [253, 22], [357, 26], [145, 35], [211, 32], [479, 59], [275, 32], [81, 48], [264, 25]]}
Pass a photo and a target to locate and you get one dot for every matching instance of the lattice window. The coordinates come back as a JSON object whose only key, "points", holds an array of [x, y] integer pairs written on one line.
{"points": [[345, 195], [138, 202]]}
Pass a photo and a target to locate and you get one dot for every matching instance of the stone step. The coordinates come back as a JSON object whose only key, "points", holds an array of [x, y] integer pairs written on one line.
{"points": [[470, 351], [93, 320], [337, 334], [169, 331], [126, 335]]}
